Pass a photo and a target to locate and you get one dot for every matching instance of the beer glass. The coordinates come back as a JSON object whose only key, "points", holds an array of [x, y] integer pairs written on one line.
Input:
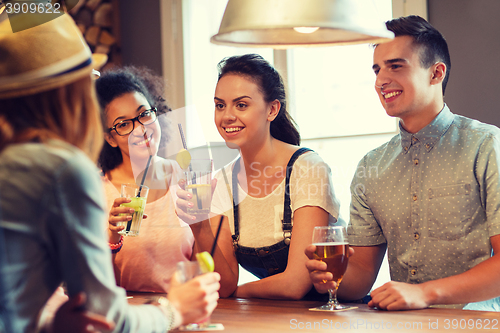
{"points": [[332, 247]]}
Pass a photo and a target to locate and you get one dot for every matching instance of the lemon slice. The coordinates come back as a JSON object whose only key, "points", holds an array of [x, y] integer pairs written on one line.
{"points": [[206, 262], [183, 158]]}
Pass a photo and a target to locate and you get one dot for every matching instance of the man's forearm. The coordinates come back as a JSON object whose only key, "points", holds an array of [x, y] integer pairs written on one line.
{"points": [[362, 272], [356, 284], [477, 284]]}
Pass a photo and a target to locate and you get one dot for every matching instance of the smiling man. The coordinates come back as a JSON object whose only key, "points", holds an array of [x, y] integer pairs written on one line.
{"points": [[434, 204]]}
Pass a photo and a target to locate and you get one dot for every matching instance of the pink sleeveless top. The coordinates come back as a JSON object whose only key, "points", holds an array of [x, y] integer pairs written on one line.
{"points": [[146, 263]]}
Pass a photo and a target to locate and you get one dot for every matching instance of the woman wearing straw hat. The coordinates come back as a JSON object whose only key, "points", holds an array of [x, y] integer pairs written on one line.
{"points": [[147, 262], [52, 199]]}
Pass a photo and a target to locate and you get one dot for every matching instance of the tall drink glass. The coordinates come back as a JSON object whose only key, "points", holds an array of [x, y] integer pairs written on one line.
{"points": [[198, 183], [138, 196], [332, 247], [186, 270]]}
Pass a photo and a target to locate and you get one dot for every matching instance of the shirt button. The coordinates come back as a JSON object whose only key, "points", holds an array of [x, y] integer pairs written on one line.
{"points": [[413, 271], [414, 139], [427, 145], [416, 235], [414, 197], [415, 161], [406, 148]]}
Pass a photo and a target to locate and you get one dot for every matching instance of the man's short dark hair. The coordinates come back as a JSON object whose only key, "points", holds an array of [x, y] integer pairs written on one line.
{"points": [[433, 45]]}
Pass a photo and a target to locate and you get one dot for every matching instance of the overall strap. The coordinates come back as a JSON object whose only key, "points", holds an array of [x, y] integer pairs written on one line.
{"points": [[236, 236], [287, 215]]}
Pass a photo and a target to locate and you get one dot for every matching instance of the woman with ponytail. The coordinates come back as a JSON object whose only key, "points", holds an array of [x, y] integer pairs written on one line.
{"points": [[256, 199]]}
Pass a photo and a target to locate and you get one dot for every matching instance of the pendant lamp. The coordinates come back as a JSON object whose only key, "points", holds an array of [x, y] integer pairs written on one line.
{"points": [[282, 24]]}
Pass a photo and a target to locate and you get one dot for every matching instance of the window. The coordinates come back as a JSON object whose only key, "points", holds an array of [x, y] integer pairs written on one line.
{"points": [[201, 20], [333, 100]]}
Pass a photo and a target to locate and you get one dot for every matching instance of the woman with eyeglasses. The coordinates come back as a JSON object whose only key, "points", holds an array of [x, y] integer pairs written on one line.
{"points": [[132, 109]]}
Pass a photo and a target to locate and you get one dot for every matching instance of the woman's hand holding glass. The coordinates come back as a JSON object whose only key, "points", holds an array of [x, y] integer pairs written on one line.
{"points": [[196, 299], [183, 203], [119, 214]]}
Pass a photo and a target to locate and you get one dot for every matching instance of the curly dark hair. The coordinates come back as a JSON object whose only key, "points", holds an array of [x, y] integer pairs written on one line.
{"points": [[271, 85], [117, 82]]}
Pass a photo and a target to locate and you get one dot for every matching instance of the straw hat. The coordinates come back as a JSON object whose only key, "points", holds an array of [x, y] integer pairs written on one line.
{"points": [[44, 57]]}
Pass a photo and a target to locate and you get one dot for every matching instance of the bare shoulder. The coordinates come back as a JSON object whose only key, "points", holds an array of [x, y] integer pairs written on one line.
{"points": [[285, 150]]}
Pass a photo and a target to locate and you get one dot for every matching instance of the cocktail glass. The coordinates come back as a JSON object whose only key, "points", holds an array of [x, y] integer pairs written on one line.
{"points": [[186, 270], [198, 184], [138, 196]]}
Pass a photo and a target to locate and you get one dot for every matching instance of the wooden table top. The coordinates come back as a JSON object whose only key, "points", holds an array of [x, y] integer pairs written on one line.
{"points": [[260, 315]]}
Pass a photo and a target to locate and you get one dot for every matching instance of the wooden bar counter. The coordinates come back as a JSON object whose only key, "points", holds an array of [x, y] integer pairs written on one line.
{"points": [[260, 315]]}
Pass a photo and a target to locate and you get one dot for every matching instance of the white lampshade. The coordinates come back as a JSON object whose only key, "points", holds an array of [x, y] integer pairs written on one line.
{"points": [[300, 23]]}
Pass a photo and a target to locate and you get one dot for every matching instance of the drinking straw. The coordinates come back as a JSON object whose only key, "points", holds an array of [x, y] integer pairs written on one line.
{"points": [[195, 191], [147, 164], [183, 138], [144, 176], [129, 223], [216, 236]]}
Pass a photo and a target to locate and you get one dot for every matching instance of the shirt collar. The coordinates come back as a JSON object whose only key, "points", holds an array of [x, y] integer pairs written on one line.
{"points": [[430, 134]]}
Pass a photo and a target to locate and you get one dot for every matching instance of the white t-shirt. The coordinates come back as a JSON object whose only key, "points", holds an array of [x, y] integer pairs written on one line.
{"points": [[260, 219]]}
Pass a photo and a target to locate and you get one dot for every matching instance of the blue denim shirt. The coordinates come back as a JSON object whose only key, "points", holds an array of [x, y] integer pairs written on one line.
{"points": [[432, 196], [53, 221], [5, 304]]}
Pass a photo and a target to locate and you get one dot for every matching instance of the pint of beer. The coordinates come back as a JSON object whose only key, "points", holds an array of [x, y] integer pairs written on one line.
{"points": [[336, 256]]}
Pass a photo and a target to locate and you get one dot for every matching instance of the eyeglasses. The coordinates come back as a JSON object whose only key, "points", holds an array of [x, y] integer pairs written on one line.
{"points": [[126, 126]]}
